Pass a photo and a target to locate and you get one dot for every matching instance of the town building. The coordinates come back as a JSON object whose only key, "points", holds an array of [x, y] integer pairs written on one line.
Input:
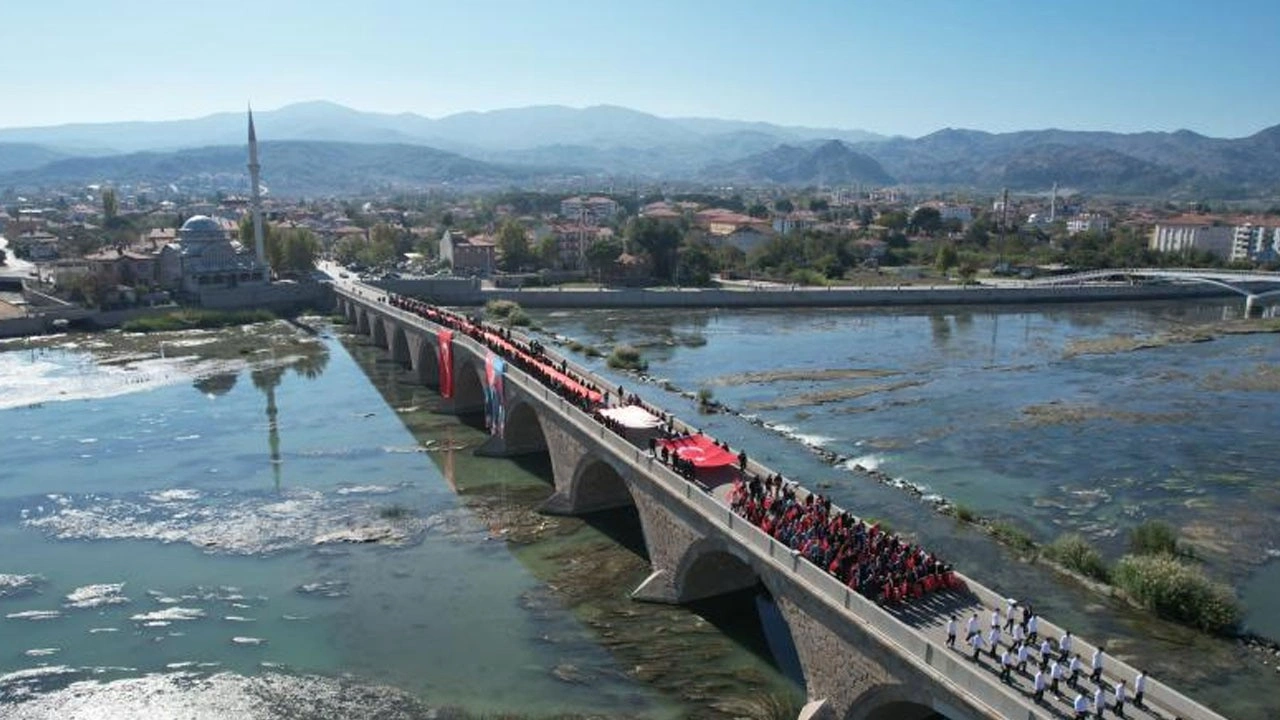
{"points": [[1088, 222], [467, 255], [596, 210], [1192, 233]]}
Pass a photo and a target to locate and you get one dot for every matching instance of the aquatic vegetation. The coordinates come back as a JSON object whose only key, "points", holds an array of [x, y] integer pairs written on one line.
{"points": [[1178, 591], [626, 357], [197, 319], [1075, 553], [1153, 537], [508, 312], [1013, 536]]}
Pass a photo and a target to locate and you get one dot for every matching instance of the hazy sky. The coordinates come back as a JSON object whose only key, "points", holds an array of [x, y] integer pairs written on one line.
{"points": [[892, 66]]}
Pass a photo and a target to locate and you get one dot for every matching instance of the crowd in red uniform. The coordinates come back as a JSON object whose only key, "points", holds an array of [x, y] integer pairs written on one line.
{"points": [[877, 564]]}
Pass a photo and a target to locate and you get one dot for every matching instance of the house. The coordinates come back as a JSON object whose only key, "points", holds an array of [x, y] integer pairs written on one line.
{"points": [[125, 266], [467, 255], [37, 245], [630, 270], [596, 210], [1088, 222], [725, 227], [797, 221]]}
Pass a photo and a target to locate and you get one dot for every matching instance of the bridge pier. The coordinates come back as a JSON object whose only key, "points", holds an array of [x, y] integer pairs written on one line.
{"points": [[1251, 307]]}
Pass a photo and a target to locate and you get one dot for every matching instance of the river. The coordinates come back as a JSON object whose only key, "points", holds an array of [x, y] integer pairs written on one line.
{"points": [[201, 492]]}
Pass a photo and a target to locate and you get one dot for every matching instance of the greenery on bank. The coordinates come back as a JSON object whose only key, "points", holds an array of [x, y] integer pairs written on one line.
{"points": [[1153, 538], [626, 357], [1155, 575], [1075, 553], [197, 320], [1177, 591], [507, 312]]}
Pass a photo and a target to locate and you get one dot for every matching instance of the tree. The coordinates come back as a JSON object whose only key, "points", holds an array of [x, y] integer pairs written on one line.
{"points": [[758, 210], [783, 205], [893, 219], [513, 245], [602, 254], [819, 205], [947, 257], [110, 204], [927, 220], [659, 240]]}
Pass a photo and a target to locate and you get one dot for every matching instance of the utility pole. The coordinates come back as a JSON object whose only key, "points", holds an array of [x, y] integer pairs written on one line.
{"points": [[1004, 224]]}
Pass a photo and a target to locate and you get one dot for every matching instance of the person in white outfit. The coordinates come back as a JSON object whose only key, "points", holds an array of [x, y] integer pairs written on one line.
{"points": [[1038, 684], [1096, 665], [1081, 707], [951, 632], [1119, 693], [975, 640], [1099, 702], [972, 628], [1139, 688], [1064, 646], [993, 639]]}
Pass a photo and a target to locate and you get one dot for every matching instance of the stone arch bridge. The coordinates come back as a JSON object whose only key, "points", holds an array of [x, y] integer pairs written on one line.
{"points": [[858, 661]]}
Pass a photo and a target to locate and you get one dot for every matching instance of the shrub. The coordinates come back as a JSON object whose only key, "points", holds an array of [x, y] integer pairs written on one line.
{"points": [[626, 357], [705, 396], [1075, 553], [500, 309], [1013, 536], [591, 351], [1153, 538], [963, 512], [1177, 591], [575, 346]]}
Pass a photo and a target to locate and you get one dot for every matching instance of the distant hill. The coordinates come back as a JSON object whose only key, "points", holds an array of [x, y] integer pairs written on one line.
{"points": [[289, 168], [1149, 163], [599, 127], [830, 163], [21, 156], [514, 145]]}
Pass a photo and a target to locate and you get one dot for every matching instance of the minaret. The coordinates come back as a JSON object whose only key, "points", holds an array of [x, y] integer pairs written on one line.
{"points": [[1053, 204], [256, 198]]}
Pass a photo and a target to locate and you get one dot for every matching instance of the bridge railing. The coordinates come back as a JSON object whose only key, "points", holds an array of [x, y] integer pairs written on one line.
{"points": [[947, 667]]}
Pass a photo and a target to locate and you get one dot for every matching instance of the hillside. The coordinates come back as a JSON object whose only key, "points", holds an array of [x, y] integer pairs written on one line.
{"points": [[831, 163], [289, 168]]}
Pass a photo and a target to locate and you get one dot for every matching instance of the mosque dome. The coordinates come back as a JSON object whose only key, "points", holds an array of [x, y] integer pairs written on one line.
{"points": [[202, 225]]}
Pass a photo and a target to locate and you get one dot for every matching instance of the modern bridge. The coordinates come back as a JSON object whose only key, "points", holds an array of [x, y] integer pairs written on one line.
{"points": [[860, 661], [1244, 282]]}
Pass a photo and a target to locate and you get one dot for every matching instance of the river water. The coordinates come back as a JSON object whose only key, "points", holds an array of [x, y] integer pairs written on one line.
{"points": [[177, 544]]}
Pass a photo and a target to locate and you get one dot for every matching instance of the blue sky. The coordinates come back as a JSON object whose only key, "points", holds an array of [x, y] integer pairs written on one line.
{"points": [[892, 66]]}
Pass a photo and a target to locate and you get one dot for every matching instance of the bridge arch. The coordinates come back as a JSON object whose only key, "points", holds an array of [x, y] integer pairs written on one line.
{"points": [[362, 320], [378, 330], [710, 567], [398, 345], [523, 432], [897, 701], [596, 484], [468, 386], [424, 360]]}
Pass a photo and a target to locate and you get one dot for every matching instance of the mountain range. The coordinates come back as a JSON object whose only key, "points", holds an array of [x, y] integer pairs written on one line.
{"points": [[323, 148]]}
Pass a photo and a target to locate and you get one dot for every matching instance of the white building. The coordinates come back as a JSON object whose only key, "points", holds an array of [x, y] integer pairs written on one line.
{"points": [[1183, 235], [1088, 222], [589, 210], [1259, 243]]}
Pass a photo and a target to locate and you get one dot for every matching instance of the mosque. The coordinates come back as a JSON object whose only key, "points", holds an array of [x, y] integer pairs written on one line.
{"points": [[204, 260]]}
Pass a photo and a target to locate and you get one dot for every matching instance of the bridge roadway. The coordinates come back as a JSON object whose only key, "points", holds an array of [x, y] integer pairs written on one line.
{"points": [[859, 660]]}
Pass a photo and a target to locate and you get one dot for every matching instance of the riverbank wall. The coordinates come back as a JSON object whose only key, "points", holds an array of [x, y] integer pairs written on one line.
{"points": [[470, 294]]}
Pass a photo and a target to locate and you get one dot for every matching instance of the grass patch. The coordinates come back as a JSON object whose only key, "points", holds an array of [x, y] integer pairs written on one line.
{"points": [[626, 357], [705, 396], [963, 512], [1153, 537], [591, 351], [1075, 553], [1177, 591], [1013, 536], [508, 312], [197, 320]]}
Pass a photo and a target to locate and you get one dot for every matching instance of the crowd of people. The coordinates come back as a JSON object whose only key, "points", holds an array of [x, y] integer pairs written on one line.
{"points": [[877, 564], [1054, 664]]}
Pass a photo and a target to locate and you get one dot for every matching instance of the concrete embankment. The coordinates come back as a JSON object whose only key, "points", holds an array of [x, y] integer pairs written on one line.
{"points": [[470, 294]]}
